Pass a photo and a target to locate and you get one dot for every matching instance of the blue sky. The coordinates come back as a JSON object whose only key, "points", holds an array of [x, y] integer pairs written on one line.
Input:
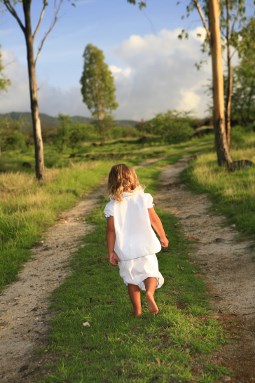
{"points": [[153, 70]]}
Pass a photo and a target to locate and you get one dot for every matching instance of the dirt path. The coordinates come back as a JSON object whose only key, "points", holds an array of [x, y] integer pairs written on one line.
{"points": [[23, 305], [224, 260], [226, 263]]}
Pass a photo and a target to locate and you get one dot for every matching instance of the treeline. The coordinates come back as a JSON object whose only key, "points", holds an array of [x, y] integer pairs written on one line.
{"points": [[62, 131], [72, 132]]}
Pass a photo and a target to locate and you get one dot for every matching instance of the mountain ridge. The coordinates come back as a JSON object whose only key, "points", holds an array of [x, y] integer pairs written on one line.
{"points": [[53, 121]]}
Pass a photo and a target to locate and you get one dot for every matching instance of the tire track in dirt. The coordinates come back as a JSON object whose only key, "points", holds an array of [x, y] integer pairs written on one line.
{"points": [[224, 260], [226, 263], [24, 316]]}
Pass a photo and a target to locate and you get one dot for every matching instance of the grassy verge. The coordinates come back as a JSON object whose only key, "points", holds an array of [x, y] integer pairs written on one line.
{"points": [[232, 193], [28, 208], [175, 346]]}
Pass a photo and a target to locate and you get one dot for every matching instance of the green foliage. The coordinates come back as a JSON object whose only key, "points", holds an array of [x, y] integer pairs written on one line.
{"points": [[140, 3], [12, 134], [243, 101], [234, 16], [172, 126], [71, 133], [97, 86], [123, 132], [238, 137], [4, 82]]}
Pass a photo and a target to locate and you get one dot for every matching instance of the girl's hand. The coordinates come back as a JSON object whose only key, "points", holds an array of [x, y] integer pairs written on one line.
{"points": [[113, 259], [164, 242]]}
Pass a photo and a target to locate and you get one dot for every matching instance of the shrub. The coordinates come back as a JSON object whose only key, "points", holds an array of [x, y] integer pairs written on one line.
{"points": [[174, 127]]}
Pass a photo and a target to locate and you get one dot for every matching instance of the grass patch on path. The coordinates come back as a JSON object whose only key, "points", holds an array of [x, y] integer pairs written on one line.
{"points": [[174, 346]]}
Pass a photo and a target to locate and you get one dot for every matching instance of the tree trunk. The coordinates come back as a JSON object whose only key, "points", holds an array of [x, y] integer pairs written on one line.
{"points": [[229, 89], [101, 120], [36, 123], [222, 151], [229, 98]]}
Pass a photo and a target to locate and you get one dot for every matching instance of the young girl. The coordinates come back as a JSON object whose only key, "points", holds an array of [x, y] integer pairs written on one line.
{"points": [[131, 241]]}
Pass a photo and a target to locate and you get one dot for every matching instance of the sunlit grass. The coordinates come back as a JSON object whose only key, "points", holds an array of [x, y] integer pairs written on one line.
{"points": [[232, 192], [27, 208], [174, 346]]}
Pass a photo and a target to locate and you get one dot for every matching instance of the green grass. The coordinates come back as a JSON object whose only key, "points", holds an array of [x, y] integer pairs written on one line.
{"points": [[122, 150], [233, 193], [174, 346], [28, 208]]}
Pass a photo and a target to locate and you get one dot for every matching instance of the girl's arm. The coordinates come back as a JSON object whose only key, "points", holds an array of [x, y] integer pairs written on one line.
{"points": [[158, 227], [110, 237]]}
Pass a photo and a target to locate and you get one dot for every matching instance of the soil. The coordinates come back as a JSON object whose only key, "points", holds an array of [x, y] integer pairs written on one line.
{"points": [[225, 260], [24, 316], [227, 264]]}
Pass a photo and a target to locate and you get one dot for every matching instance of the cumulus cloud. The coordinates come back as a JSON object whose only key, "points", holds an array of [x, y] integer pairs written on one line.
{"points": [[155, 73], [162, 75], [17, 96]]}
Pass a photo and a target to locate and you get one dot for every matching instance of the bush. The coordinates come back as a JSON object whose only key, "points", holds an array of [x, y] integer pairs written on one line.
{"points": [[178, 131], [12, 134], [71, 133], [173, 127]]}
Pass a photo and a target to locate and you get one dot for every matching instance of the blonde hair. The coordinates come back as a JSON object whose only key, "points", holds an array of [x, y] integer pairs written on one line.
{"points": [[121, 179]]}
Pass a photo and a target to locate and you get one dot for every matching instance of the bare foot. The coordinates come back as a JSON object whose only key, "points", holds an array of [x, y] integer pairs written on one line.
{"points": [[137, 314], [152, 306]]}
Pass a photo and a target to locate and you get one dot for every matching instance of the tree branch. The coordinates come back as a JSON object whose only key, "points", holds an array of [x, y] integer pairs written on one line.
{"points": [[234, 22], [202, 16], [40, 18], [12, 11], [57, 7]]}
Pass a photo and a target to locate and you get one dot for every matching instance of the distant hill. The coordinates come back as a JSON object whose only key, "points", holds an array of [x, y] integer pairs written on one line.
{"points": [[48, 121]]}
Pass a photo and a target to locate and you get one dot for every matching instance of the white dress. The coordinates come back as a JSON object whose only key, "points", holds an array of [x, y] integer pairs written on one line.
{"points": [[136, 242]]}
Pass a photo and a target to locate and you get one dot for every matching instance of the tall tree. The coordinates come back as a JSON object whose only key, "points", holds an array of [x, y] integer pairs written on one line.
{"points": [[222, 149], [4, 82], [25, 23], [233, 16], [97, 87], [214, 37]]}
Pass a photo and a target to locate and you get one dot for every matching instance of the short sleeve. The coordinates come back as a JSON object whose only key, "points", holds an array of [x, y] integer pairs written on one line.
{"points": [[149, 201], [108, 210]]}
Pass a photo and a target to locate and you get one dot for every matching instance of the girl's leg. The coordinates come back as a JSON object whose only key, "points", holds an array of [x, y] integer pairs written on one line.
{"points": [[150, 286], [135, 297]]}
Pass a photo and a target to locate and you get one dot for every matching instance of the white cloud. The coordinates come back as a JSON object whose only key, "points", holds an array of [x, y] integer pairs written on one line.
{"points": [[156, 74], [17, 96], [189, 100], [163, 75], [120, 72]]}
